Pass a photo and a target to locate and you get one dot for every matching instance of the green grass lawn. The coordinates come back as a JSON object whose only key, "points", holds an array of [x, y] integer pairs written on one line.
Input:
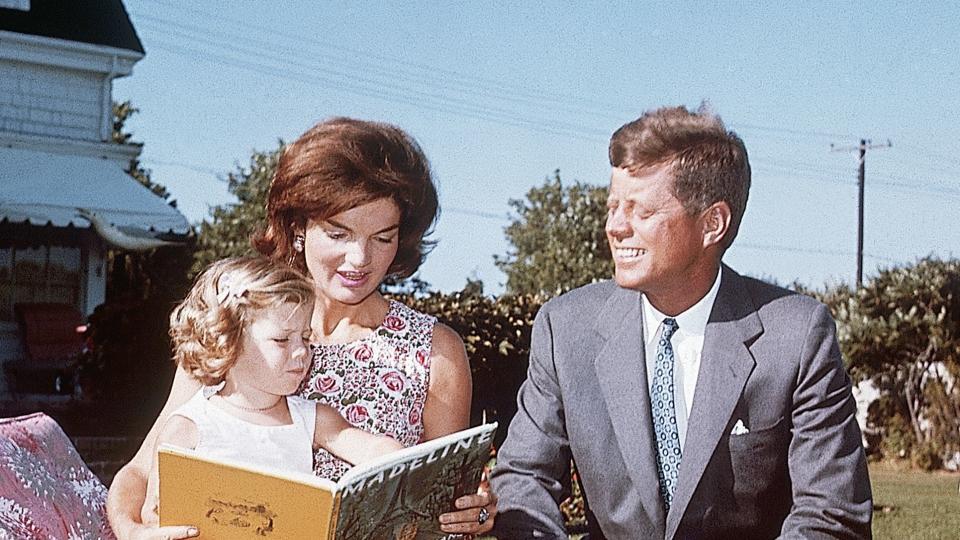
{"points": [[912, 504]]}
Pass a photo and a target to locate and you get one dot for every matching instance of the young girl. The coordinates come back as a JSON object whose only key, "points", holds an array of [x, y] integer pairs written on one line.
{"points": [[243, 332]]}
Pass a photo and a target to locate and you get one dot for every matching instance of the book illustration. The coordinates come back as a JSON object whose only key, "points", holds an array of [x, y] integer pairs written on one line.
{"points": [[256, 517]]}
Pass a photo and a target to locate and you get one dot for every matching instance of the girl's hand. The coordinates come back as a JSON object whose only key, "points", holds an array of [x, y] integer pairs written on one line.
{"points": [[475, 514], [147, 532], [150, 528]]}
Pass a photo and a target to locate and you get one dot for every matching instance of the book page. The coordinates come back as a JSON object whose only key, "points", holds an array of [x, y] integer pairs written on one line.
{"points": [[401, 496]]}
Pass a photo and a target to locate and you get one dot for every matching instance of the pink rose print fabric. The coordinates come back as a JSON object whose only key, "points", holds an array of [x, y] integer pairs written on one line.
{"points": [[46, 491], [378, 383]]}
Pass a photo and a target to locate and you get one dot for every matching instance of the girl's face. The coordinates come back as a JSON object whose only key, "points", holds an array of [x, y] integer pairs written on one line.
{"points": [[274, 354], [348, 254]]}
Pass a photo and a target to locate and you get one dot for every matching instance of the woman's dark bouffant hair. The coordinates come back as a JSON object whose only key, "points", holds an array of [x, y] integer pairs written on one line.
{"points": [[342, 163]]}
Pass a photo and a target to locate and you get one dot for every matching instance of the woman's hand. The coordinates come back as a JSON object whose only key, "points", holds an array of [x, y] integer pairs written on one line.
{"points": [[128, 491], [475, 514]]}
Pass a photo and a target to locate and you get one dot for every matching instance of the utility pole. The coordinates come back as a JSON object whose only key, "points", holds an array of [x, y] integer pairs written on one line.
{"points": [[865, 145]]}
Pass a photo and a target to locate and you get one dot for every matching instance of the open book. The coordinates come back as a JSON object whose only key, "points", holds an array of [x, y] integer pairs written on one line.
{"points": [[398, 496]]}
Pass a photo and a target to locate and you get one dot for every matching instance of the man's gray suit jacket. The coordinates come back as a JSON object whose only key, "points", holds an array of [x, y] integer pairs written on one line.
{"points": [[770, 361]]}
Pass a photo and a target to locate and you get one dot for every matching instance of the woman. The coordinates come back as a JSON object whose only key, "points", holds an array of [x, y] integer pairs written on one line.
{"points": [[350, 204]]}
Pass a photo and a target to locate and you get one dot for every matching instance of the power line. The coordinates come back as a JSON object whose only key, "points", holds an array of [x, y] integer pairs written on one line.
{"points": [[477, 213], [441, 78], [809, 251], [896, 178], [420, 73], [798, 132], [799, 166], [931, 168], [216, 174], [916, 190], [387, 77], [459, 109], [448, 74], [897, 183], [933, 155], [472, 112], [837, 181], [197, 168], [918, 185]]}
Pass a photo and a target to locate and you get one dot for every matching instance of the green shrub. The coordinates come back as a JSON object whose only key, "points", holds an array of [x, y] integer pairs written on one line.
{"points": [[927, 456], [496, 333]]}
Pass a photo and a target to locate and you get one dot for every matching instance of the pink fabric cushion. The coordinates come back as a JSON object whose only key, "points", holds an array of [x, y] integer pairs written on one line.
{"points": [[46, 491]]}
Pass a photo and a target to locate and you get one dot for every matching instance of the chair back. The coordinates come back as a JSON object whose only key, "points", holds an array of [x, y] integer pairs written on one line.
{"points": [[49, 330], [46, 490]]}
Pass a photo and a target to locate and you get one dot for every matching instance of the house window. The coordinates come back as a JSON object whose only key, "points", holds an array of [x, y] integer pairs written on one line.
{"points": [[39, 274], [22, 5]]}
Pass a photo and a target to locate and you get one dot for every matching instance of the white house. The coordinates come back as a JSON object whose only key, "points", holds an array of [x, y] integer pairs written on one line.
{"points": [[58, 59]]}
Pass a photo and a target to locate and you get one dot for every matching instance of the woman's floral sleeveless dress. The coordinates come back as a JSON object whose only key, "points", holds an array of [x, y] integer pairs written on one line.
{"points": [[378, 383]]}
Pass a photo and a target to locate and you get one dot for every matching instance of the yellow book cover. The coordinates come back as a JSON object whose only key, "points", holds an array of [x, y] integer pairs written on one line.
{"points": [[232, 500], [399, 496]]}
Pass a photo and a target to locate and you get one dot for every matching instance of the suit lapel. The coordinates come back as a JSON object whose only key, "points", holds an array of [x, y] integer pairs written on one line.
{"points": [[622, 375], [725, 365]]}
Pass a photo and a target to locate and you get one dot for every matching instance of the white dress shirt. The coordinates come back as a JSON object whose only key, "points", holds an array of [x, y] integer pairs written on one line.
{"points": [[687, 349]]}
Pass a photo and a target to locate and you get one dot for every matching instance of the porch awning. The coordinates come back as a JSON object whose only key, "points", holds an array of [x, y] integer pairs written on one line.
{"points": [[42, 188]]}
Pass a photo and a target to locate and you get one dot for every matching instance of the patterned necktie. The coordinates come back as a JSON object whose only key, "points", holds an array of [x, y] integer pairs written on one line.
{"points": [[664, 414]]}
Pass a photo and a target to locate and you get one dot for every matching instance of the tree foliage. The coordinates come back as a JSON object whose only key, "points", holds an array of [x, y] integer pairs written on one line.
{"points": [[558, 241], [496, 333], [121, 113], [228, 232], [902, 331]]}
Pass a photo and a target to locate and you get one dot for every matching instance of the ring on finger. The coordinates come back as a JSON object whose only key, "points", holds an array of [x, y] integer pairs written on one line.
{"points": [[483, 516]]}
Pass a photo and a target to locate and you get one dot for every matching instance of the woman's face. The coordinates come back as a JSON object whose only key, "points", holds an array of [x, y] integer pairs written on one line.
{"points": [[348, 254]]}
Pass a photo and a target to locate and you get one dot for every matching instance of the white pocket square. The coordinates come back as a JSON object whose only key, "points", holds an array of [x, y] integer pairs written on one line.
{"points": [[739, 428]]}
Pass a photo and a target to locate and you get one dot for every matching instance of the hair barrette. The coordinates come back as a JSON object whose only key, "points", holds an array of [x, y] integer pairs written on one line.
{"points": [[227, 288]]}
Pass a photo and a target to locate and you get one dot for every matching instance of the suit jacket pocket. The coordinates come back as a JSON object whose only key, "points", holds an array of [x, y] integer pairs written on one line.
{"points": [[759, 459], [750, 488]]}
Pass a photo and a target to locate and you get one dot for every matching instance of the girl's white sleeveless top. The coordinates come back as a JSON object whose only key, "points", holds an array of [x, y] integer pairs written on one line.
{"points": [[288, 447]]}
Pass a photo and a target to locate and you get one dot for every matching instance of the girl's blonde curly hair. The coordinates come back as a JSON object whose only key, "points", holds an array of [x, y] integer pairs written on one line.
{"points": [[206, 328]]}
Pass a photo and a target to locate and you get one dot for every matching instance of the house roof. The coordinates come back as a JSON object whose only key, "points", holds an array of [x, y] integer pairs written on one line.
{"points": [[98, 22], [41, 188]]}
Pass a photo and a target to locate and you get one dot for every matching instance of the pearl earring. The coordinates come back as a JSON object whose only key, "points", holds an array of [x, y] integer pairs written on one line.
{"points": [[298, 243]]}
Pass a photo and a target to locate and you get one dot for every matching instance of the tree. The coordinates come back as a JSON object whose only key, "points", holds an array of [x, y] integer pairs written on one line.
{"points": [[121, 113], [228, 233], [902, 331], [558, 239]]}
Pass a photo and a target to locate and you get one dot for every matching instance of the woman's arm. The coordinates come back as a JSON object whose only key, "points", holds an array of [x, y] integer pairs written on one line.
{"points": [[129, 488], [353, 445], [446, 411], [179, 431]]}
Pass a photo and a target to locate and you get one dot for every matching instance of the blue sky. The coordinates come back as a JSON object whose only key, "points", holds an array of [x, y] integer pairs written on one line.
{"points": [[501, 94]]}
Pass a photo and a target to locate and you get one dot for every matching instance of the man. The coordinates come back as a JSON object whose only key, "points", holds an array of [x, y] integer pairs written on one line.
{"points": [[696, 403]]}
